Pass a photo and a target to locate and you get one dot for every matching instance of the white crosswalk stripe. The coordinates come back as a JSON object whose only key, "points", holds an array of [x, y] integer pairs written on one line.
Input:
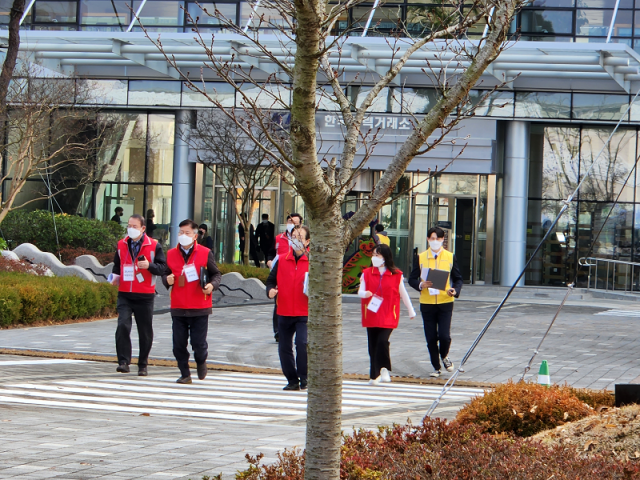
{"points": [[620, 313], [224, 396]]}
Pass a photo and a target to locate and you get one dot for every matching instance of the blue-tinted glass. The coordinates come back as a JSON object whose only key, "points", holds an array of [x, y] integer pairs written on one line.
{"points": [[105, 12], [543, 105], [553, 3], [162, 12], [227, 10], [547, 21], [596, 23], [55, 12], [589, 106], [605, 3]]}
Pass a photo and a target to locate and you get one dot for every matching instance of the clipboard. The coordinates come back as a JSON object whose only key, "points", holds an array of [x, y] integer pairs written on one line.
{"points": [[437, 277]]}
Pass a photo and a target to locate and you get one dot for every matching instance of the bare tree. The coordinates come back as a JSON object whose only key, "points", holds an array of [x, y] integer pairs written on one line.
{"points": [[306, 62], [238, 163], [11, 55], [49, 138]]}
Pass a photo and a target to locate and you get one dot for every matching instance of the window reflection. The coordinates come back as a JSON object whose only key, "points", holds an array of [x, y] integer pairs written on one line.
{"points": [[106, 13], [154, 92], [543, 105], [209, 16], [221, 92], [55, 12], [162, 12], [599, 107], [597, 22], [547, 21], [419, 100], [160, 148]]}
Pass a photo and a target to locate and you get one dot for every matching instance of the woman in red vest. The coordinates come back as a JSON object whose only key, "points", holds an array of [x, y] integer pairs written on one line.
{"points": [[287, 280], [192, 275], [381, 288]]}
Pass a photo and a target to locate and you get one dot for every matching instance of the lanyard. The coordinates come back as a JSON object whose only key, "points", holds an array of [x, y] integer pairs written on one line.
{"points": [[192, 256]]}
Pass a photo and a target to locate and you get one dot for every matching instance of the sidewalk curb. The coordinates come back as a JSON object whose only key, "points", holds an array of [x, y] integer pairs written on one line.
{"points": [[229, 368]]}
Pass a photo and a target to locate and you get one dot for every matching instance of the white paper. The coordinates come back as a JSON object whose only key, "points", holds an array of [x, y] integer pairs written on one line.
{"points": [[305, 289], [190, 273], [127, 273], [434, 291], [424, 274], [139, 277], [374, 304]]}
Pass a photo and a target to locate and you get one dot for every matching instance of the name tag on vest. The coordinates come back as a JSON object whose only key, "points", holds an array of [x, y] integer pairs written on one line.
{"points": [[191, 273], [374, 304], [127, 273]]}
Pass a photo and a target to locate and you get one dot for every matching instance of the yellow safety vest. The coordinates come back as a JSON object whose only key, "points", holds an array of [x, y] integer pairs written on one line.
{"points": [[443, 262], [384, 240]]}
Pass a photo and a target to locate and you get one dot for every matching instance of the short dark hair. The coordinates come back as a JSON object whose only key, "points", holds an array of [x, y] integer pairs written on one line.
{"points": [[204, 227], [139, 218], [296, 215], [119, 209], [437, 230], [379, 228], [265, 216], [307, 232], [190, 223]]}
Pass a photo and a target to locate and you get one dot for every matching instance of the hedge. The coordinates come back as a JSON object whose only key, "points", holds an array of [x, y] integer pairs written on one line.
{"points": [[247, 271], [36, 227], [25, 298]]}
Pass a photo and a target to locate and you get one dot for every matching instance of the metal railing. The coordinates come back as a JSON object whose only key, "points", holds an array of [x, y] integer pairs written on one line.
{"points": [[607, 274]]}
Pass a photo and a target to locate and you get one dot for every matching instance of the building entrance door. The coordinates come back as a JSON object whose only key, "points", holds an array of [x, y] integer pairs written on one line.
{"points": [[456, 215]]}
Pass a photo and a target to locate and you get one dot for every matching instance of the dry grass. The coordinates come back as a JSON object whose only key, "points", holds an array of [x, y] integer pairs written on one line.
{"points": [[613, 432]]}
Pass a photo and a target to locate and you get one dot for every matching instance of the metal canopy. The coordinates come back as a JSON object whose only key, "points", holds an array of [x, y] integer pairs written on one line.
{"points": [[537, 66]]}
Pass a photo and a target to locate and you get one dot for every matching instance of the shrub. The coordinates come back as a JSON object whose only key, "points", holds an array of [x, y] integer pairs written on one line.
{"points": [[3, 244], [8, 265], [593, 398], [523, 409], [27, 298], [37, 227], [69, 255], [446, 451], [247, 271]]}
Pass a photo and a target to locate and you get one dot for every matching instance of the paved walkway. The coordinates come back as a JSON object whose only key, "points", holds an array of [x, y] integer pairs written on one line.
{"points": [[79, 420], [589, 346]]}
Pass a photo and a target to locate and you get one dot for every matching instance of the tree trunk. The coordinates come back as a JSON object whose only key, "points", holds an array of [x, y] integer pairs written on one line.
{"points": [[324, 407], [247, 242], [9, 64]]}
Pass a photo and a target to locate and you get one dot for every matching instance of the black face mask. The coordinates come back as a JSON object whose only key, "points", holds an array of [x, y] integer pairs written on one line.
{"points": [[201, 233]]}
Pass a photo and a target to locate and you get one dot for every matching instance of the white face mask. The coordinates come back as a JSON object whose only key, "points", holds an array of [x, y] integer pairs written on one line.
{"points": [[185, 240], [377, 261], [133, 233], [297, 244], [435, 245], [290, 227]]}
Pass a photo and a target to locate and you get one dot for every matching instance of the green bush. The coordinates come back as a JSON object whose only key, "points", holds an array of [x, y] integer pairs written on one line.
{"points": [[247, 271], [36, 227], [26, 298]]}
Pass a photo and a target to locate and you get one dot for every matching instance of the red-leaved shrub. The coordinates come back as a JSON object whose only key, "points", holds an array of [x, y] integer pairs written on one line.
{"points": [[446, 451], [22, 266], [69, 255], [523, 409]]}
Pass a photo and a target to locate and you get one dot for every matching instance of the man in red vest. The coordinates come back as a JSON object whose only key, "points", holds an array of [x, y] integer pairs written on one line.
{"points": [[281, 246], [137, 261], [192, 274], [288, 280]]}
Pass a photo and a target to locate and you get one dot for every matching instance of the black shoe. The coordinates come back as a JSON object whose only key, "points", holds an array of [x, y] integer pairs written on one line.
{"points": [[277, 338], [184, 380], [303, 384], [292, 386], [202, 371], [142, 371], [123, 368]]}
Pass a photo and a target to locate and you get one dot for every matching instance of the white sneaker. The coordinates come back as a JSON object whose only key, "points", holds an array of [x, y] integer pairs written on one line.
{"points": [[448, 364], [375, 381], [384, 375], [435, 374]]}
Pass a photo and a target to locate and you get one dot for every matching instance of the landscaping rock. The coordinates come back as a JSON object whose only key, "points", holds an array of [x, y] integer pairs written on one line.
{"points": [[235, 285], [92, 265], [34, 255]]}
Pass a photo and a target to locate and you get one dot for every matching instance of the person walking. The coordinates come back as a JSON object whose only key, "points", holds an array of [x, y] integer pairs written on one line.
{"points": [[287, 281], [436, 306], [118, 212], [192, 275], [265, 234], [203, 237], [137, 262], [253, 245], [281, 245], [381, 288], [380, 236]]}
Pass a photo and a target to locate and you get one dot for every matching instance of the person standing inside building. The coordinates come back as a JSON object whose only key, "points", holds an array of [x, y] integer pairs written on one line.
{"points": [[203, 237], [281, 245], [380, 236], [253, 245], [151, 226], [381, 288], [119, 211], [193, 275], [287, 281], [137, 262], [265, 234], [436, 306]]}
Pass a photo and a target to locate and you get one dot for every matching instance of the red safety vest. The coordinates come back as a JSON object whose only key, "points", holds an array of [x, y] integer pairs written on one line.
{"points": [[387, 287], [282, 244], [291, 300], [148, 249], [189, 296]]}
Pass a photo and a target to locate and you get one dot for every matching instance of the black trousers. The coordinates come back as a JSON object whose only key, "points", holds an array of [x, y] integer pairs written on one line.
{"points": [[437, 330], [275, 317], [197, 328], [142, 310], [378, 350], [294, 368]]}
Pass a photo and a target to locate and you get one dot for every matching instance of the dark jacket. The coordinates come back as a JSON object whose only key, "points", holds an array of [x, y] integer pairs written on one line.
{"points": [[455, 279], [265, 234], [157, 267]]}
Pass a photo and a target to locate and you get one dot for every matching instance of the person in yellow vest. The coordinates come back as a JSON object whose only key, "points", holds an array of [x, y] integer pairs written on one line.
{"points": [[381, 237], [436, 306]]}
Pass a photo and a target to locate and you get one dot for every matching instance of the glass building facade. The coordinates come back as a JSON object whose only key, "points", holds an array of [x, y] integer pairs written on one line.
{"points": [[567, 128]]}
